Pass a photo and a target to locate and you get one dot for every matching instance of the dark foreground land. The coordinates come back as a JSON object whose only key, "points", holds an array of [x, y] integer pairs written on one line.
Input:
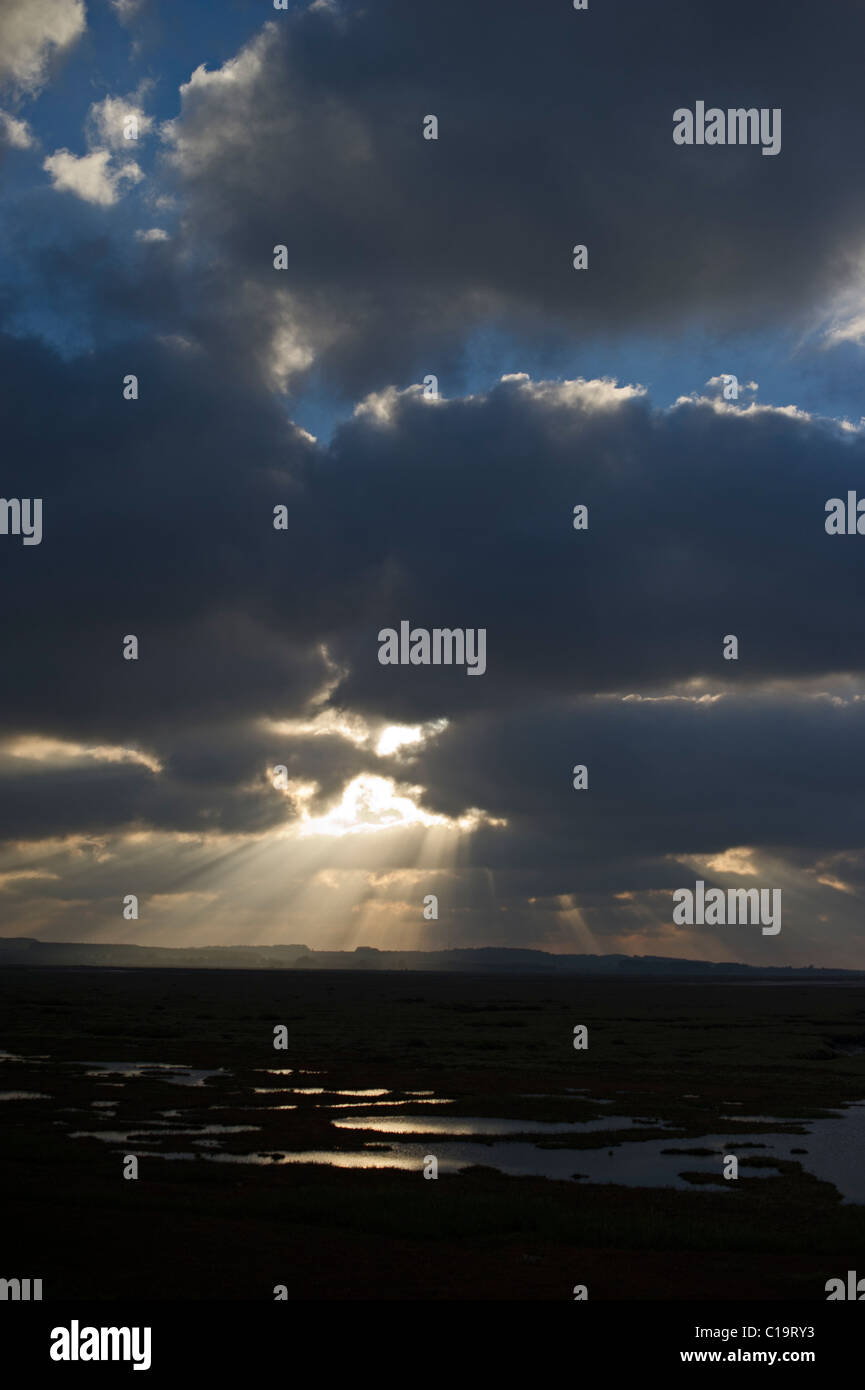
{"points": [[496, 1047]]}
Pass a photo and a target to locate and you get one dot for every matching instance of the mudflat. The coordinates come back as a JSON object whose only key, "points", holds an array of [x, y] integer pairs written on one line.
{"points": [[178, 1069]]}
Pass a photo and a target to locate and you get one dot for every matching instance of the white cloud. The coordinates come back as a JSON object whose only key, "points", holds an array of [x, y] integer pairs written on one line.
{"points": [[16, 133], [152, 234], [722, 407], [288, 354], [381, 405], [43, 748], [718, 382], [31, 33], [98, 176], [19, 875], [838, 884], [599, 393], [851, 330], [371, 803], [90, 176], [196, 139], [126, 9], [107, 122], [844, 319], [739, 860]]}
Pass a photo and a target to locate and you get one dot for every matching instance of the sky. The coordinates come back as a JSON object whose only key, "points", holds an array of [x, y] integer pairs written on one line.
{"points": [[397, 424]]}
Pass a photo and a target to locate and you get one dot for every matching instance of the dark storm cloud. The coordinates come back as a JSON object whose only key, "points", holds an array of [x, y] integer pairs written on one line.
{"points": [[676, 777], [158, 522], [215, 779], [555, 129], [702, 523], [33, 39]]}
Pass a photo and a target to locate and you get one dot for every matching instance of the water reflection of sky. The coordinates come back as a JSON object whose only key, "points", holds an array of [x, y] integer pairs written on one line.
{"points": [[460, 1124], [828, 1148], [834, 1149]]}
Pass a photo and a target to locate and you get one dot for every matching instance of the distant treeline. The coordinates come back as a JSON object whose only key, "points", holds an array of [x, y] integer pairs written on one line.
{"points": [[25, 951]]}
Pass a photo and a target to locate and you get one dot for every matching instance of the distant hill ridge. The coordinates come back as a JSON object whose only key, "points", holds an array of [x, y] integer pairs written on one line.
{"points": [[486, 959]]}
